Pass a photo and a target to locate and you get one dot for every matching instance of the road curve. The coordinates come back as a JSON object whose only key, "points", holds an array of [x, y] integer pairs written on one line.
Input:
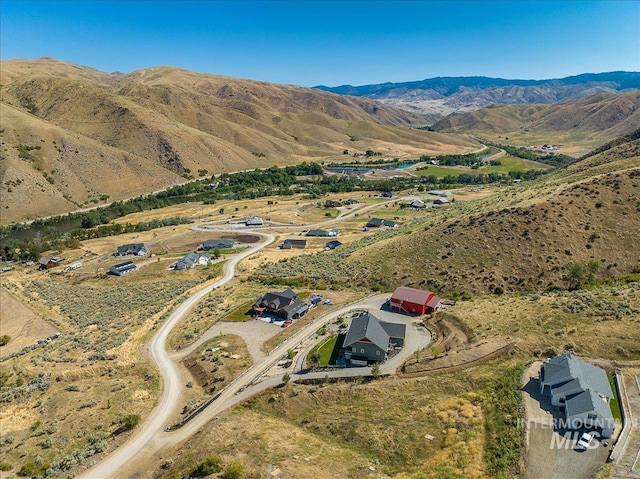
{"points": [[172, 387]]}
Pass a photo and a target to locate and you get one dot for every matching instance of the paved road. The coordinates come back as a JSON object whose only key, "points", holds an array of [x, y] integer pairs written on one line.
{"points": [[172, 379]]}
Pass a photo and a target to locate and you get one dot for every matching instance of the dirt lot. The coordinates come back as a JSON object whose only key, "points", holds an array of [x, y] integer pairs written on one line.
{"points": [[193, 240], [22, 323], [217, 362]]}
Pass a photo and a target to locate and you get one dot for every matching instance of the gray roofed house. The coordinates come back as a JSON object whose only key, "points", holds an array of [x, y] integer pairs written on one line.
{"points": [[323, 233], [417, 204], [370, 339], [209, 245], [294, 243], [136, 249], [565, 368], [588, 409], [377, 222], [254, 221], [190, 260], [577, 386], [396, 331], [333, 244], [285, 304]]}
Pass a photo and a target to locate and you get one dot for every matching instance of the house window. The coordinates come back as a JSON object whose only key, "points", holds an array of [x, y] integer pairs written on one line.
{"points": [[354, 349], [592, 416], [362, 351], [378, 352], [562, 400]]}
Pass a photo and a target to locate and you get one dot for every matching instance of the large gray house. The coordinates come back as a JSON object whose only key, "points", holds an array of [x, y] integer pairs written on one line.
{"points": [[583, 390], [190, 260], [370, 339], [135, 249]]}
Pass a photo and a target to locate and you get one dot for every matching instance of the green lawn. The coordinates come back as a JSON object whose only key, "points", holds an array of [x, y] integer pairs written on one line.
{"points": [[615, 402], [328, 349], [511, 163], [442, 171], [240, 313], [508, 164]]}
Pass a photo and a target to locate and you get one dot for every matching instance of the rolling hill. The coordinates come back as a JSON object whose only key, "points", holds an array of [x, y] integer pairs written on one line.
{"points": [[441, 96], [74, 137], [520, 238], [584, 123]]}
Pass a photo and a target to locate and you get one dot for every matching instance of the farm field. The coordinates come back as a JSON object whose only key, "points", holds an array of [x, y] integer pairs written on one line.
{"points": [[508, 164]]}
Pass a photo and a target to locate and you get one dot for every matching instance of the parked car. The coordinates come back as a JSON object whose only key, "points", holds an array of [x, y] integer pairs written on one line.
{"points": [[287, 323], [585, 441]]}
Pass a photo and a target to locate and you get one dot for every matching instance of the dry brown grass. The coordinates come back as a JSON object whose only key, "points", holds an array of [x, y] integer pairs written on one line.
{"points": [[23, 324], [133, 134], [327, 431]]}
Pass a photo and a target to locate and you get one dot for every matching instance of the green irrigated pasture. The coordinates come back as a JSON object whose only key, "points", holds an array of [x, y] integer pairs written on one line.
{"points": [[508, 164]]}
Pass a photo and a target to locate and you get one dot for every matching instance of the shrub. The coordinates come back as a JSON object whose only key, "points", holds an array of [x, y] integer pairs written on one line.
{"points": [[210, 465], [234, 470], [33, 469], [127, 423], [4, 339], [5, 466]]}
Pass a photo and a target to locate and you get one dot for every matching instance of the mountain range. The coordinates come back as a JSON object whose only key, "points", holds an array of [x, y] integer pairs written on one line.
{"points": [[442, 96], [73, 136]]}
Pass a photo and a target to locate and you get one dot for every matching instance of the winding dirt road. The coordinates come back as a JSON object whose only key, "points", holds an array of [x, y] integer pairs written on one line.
{"points": [[172, 385], [151, 439]]}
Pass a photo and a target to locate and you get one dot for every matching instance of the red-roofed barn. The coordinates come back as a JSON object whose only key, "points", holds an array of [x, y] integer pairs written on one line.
{"points": [[414, 301]]}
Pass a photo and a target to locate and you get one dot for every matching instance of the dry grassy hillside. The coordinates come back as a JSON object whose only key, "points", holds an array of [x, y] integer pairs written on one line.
{"points": [[523, 241], [589, 121], [74, 136]]}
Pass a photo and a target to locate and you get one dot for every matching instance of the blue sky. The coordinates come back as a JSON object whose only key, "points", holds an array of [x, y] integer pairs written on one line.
{"points": [[331, 42]]}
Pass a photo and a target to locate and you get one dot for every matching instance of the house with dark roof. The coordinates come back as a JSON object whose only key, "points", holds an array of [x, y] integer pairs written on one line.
{"points": [[209, 245], [441, 201], [333, 244], [135, 249], [377, 223], [370, 339], [294, 243], [323, 233], [121, 269], [285, 304], [582, 389], [414, 301]]}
